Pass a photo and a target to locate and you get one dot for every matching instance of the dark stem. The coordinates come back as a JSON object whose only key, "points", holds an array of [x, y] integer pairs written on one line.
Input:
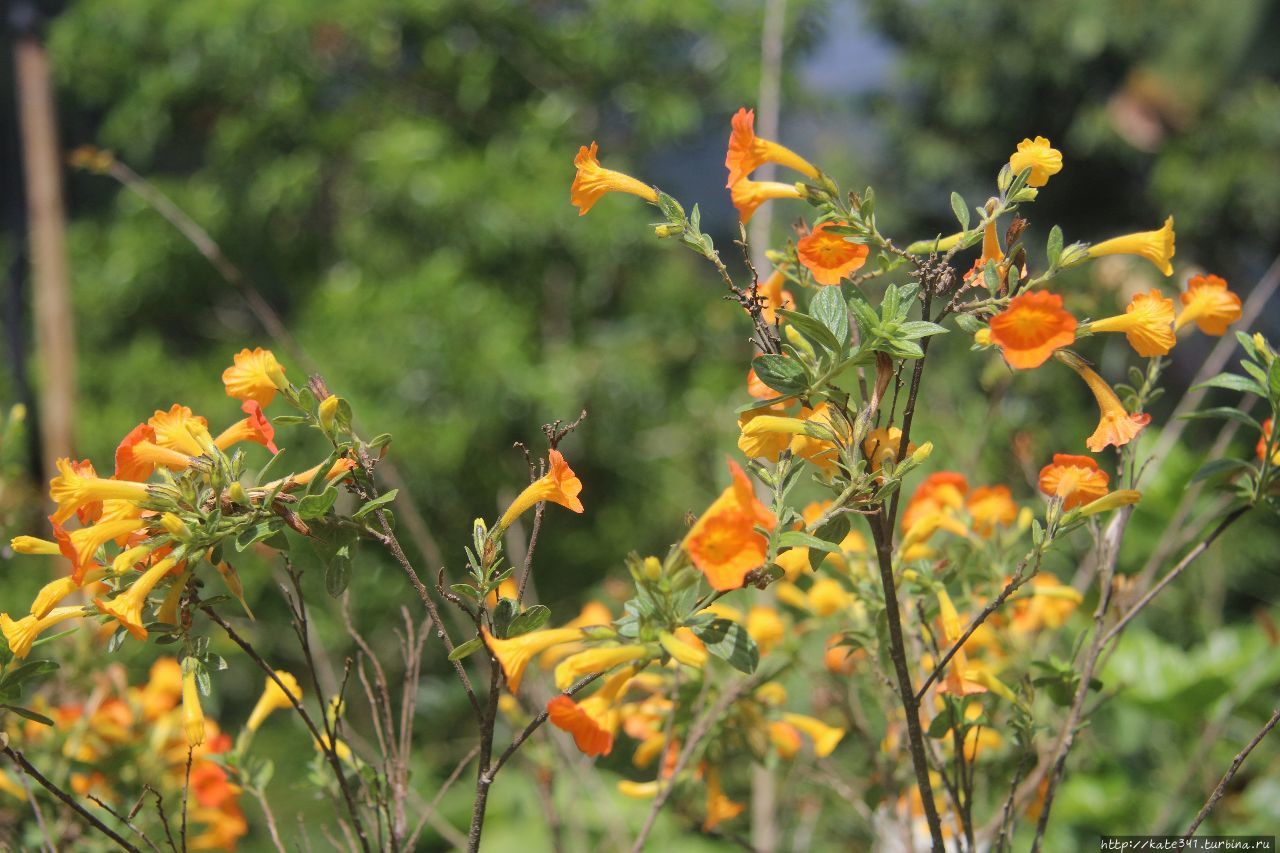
{"points": [[1231, 771], [880, 532], [484, 779], [67, 799]]}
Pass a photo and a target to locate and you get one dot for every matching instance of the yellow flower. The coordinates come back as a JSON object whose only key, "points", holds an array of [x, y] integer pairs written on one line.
{"points": [[593, 180], [1038, 155], [1115, 425], [127, 607], [765, 627], [254, 375], [177, 429], [70, 490], [1208, 302], [514, 654], [559, 485], [1116, 499], [1156, 246], [79, 546], [825, 738], [33, 545], [684, 652], [598, 660], [748, 195], [719, 807], [52, 593], [827, 596], [820, 451], [990, 506], [273, 698], [192, 713], [761, 442], [1146, 322], [22, 633], [327, 411], [637, 790], [881, 446]]}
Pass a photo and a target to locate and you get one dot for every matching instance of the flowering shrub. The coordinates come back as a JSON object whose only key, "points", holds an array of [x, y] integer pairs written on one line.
{"points": [[838, 528]]}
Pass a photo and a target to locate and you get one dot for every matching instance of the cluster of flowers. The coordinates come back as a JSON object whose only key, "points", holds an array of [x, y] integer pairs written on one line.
{"points": [[173, 500], [120, 735]]}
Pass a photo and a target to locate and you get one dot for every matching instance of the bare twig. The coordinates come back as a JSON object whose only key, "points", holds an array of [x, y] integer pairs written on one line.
{"points": [[1231, 772], [70, 801]]}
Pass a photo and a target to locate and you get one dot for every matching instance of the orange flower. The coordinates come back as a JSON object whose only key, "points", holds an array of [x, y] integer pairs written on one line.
{"points": [[254, 375], [1263, 440], [513, 654], [881, 445], [210, 785], [940, 491], [748, 195], [1156, 246], [748, 152], [1046, 604], [773, 297], [1208, 302], [559, 485], [989, 506], [79, 546], [1146, 322], [761, 445], [593, 180], [819, 451], [593, 722], [126, 607], [1115, 426], [138, 456], [723, 543], [1031, 328], [719, 807], [758, 389], [72, 490], [1076, 479], [829, 256], [255, 428]]}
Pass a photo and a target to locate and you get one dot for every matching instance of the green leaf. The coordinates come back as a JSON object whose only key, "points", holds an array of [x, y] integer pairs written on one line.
{"points": [[337, 575], [730, 642], [26, 672], [258, 532], [530, 620], [941, 724], [379, 441], [29, 714], [1232, 382], [288, 420], [314, 506], [269, 470], [469, 647], [503, 615], [916, 329], [800, 539], [828, 308], [784, 375], [833, 531], [1219, 467], [812, 329], [465, 589], [961, 210], [381, 500], [1053, 250], [1226, 412]]}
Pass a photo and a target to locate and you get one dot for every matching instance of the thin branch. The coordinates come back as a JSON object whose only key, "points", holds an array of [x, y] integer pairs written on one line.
{"points": [[70, 801], [1231, 771], [533, 725]]}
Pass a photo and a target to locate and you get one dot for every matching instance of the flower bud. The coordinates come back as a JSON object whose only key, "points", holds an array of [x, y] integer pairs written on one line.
{"points": [[328, 408], [666, 230], [176, 527], [1114, 500], [652, 568], [276, 374], [237, 493], [682, 651], [922, 453], [1260, 344], [798, 340]]}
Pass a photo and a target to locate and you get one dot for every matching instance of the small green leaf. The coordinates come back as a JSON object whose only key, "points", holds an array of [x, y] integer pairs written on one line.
{"points": [[800, 539], [916, 329], [530, 620], [828, 308], [379, 441], [833, 531], [287, 420], [337, 575], [1053, 249], [314, 506], [961, 210], [730, 642], [1219, 467], [1223, 412], [465, 589], [380, 500], [29, 714], [258, 532], [940, 725], [812, 329], [469, 647], [503, 615], [1232, 382], [784, 375]]}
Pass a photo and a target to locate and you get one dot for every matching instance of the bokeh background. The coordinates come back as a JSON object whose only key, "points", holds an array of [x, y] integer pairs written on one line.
{"points": [[393, 176]]}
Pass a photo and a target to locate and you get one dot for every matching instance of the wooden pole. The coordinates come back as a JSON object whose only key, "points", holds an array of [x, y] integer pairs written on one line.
{"points": [[54, 320]]}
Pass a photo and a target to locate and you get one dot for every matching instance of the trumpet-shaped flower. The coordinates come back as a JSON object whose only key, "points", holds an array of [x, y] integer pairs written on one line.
{"points": [[881, 446], [1209, 304], [1156, 246], [940, 491], [785, 739], [177, 428], [692, 654], [34, 545], [830, 256], [1115, 425], [71, 490], [192, 713], [127, 607], [254, 375], [559, 485], [1110, 501], [593, 180], [336, 471], [79, 546], [163, 688], [1046, 603], [818, 449], [748, 195], [593, 722], [1038, 155], [1263, 440], [748, 152], [274, 698], [53, 593], [255, 428], [599, 659], [724, 543], [1031, 328], [772, 297], [1076, 479], [141, 458], [757, 443], [765, 627], [1147, 323], [22, 633], [513, 654], [825, 738]]}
